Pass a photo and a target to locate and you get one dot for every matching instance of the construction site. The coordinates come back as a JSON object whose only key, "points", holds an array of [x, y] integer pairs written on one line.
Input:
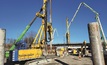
{"points": [[44, 49]]}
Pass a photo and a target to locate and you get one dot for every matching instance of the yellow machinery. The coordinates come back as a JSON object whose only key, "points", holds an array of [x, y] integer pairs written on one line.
{"points": [[74, 51], [39, 43], [60, 51], [37, 46], [29, 54], [20, 52]]}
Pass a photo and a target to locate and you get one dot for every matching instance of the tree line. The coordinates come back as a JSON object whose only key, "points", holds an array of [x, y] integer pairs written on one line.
{"points": [[28, 38]]}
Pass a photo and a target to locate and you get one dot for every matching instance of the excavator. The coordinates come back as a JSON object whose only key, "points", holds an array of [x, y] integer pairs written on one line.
{"points": [[20, 51]]}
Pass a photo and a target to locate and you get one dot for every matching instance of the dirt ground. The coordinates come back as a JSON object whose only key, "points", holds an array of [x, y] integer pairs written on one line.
{"points": [[67, 60], [71, 60]]}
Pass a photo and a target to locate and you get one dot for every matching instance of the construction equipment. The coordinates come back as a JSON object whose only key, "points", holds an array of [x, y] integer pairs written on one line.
{"points": [[97, 19], [23, 33], [60, 51], [19, 50], [67, 33], [75, 52], [52, 38]]}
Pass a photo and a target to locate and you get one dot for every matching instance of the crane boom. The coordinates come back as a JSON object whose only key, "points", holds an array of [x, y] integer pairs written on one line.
{"points": [[97, 18]]}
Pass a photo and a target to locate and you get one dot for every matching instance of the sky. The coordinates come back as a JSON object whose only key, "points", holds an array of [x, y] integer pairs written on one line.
{"points": [[15, 15]]}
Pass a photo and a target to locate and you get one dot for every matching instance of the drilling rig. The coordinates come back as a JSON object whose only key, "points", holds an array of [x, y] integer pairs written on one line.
{"points": [[19, 50]]}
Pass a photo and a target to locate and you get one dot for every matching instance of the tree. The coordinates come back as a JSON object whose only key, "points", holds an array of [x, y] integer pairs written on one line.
{"points": [[29, 37]]}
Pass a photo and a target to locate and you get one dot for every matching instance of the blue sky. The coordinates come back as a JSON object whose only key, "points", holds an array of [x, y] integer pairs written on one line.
{"points": [[16, 14]]}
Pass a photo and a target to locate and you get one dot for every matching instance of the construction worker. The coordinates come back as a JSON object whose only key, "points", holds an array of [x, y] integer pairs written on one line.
{"points": [[83, 49]]}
